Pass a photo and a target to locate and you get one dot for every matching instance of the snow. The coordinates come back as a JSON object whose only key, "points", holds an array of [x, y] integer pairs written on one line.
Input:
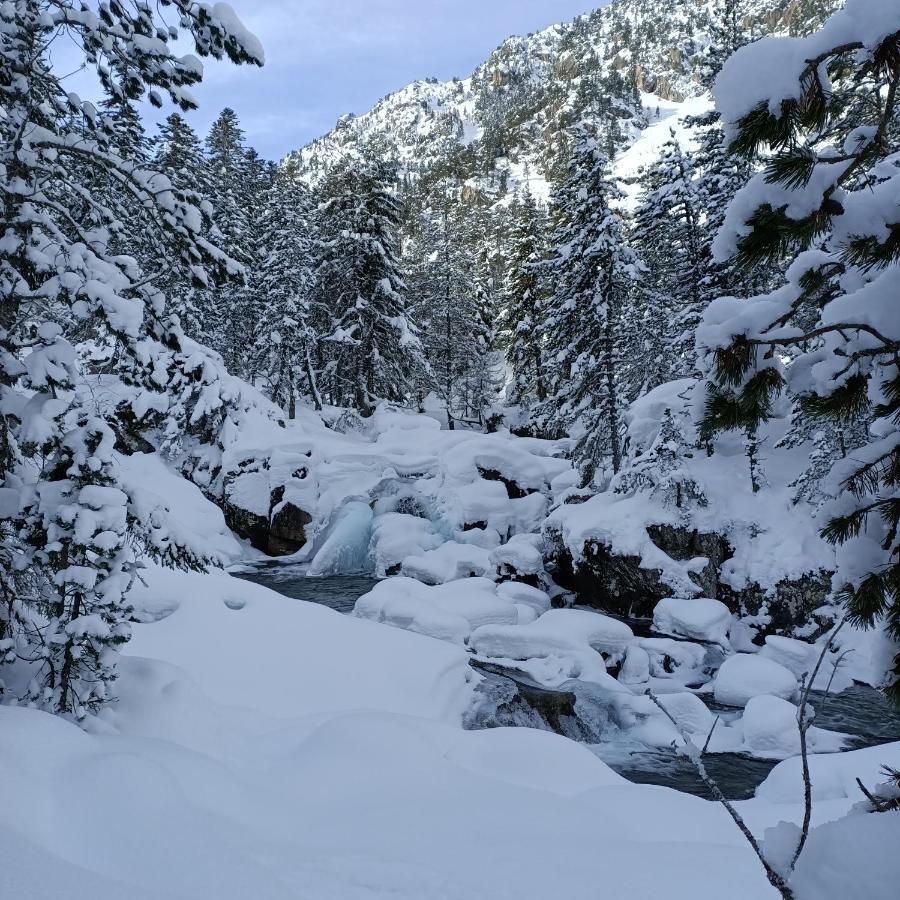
{"points": [[274, 748], [447, 612], [744, 676], [771, 730], [558, 632], [798, 656], [698, 617]]}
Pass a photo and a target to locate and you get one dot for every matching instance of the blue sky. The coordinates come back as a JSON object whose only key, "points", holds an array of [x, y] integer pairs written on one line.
{"points": [[328, 57]]}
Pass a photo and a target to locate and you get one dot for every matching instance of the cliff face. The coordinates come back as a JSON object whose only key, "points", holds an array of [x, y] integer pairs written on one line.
{"points": [[504, 123]]}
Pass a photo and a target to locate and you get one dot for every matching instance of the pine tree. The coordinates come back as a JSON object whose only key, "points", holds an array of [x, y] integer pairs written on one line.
{"points": [[667, 236], [662, 471], [520, 313], [593, 270], [826, 200], [67, 532], [456, 334], [373, 348], [283, 283], [178, 154]]}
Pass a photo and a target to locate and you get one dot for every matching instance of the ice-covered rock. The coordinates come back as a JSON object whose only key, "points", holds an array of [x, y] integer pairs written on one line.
{"points": [[346, 545], [747, 675], [700, 618]]}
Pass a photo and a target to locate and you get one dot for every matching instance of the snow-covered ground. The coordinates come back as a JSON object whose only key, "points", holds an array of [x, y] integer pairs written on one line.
{"points": [[265, 747]]}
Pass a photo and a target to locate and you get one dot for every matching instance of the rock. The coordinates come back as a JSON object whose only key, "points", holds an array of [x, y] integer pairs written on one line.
{"points": [[513, 490], [789, 605], [513, 699], [747, 675], [249, 525], [287, 529], [262, 516]]}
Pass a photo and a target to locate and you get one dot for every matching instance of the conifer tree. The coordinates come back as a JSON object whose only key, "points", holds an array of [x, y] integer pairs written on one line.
{"points": [[667, 236], [65, 555], [521, 310], [374, 351], [283, 284], [592, 270], [825, 202]]}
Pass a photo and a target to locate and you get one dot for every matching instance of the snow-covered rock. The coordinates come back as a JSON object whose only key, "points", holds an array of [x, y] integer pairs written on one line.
{"points": [[558, 631], [447, 562], [699, 618], [798, 656], [747, 675], [448, 611], [771, 730]]}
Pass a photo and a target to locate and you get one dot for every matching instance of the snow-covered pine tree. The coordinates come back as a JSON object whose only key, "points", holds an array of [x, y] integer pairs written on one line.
{"points": [[667, 235], [233, 178], [663, 472], [826, 201], [283, 284], [178, 154], [520, 312], [454, 333], [592, 270], [371, 347], [67, 527]]}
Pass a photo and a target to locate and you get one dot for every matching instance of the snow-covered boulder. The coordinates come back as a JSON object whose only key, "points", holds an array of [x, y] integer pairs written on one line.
{"points": [[558, 631], [635, 666], [520, 556], [690, 712], [771, 730], [798, 656], [525, 595], [682, 661], [747, 675], [447, 562], [448, 612], [700, 618]]}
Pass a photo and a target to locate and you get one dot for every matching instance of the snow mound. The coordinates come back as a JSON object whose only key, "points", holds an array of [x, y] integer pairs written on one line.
{"points": [[771, 730], [699, 618], [746, 675]]}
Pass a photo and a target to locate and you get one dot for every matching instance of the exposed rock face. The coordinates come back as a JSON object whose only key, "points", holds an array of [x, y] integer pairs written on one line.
{"points": [[513, 490], [260, 513], [791, 604], [287, 529], [512, 699], [617, 583]]}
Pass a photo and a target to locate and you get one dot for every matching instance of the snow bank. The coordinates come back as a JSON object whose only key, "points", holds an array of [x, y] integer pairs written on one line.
{"points": [[266, 747]]}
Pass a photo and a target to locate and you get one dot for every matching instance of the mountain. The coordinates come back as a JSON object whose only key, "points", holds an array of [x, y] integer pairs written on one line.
{"points": [[505, 124]]}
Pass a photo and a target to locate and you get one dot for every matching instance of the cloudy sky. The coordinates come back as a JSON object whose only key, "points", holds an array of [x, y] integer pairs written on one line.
{"points": [[329, 57]]}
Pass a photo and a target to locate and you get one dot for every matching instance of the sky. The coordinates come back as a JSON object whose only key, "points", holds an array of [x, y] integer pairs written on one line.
{"points": [[325, 58]]}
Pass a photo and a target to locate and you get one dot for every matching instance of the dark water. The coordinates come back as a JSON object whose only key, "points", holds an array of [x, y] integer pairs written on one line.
{"points": [[336, 591], [859, 711]]}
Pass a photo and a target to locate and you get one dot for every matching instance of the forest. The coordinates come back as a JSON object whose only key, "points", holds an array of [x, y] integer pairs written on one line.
{"points": [[497, 495]]}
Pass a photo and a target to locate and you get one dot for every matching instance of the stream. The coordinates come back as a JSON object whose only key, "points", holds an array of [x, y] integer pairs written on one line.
{"points": [[859, 711]]}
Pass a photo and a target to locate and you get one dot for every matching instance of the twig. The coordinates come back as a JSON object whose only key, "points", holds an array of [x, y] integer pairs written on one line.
{"points": [[803, 724], [693, 752]]}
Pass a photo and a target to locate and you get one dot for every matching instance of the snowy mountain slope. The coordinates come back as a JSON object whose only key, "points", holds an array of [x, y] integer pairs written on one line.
{"points": [[502, 125]]}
